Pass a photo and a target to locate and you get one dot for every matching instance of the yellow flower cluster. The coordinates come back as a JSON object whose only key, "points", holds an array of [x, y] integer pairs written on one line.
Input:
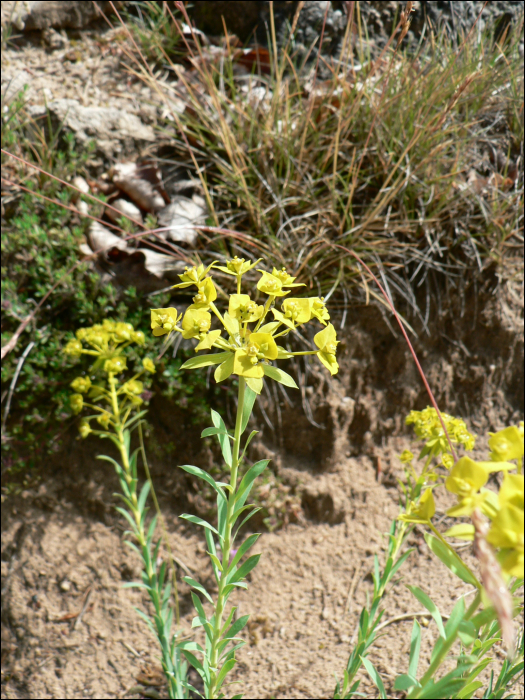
{"points": [[250, 344], [467, 479], [106, 342], [427, 427]]}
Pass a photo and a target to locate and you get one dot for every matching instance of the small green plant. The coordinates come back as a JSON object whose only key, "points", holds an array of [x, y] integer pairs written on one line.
{"points": [[115, 404], [248, 350], [497, 531]]}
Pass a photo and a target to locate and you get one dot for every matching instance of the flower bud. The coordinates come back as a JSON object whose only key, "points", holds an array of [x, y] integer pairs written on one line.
{"points": [[81, 384], [133, 387], [115, 365], [138, 337], [104, 419], [84, 428], [73, 348], [76, 402], [148, 365]]}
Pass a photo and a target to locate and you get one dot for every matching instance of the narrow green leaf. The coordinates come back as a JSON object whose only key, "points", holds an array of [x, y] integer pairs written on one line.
{"points": [[279, 376], [405, 682], [450, 560], [198, 587], [247, 481], [198, 605], [430, 606], [213, 431], [110, 459], [255, 510], [190, 646], [249, 400], [245, 546], [143, 496], [399, 563], [224, 441], [469, 690], [227, 667], [467, 633], [198, 521], [206, 360], [215, 560], [237, 626], [415, 647], [224, 370], [197, 665], [244, 570], [196, 471], [228, 621], [128, 518], [374, 675]]}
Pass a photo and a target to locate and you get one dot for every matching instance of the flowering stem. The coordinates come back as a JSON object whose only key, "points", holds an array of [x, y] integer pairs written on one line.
{"points": [[227, 544]]}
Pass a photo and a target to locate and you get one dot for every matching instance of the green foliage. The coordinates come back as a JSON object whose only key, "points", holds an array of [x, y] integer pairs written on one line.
{"points": [[40, 245]]}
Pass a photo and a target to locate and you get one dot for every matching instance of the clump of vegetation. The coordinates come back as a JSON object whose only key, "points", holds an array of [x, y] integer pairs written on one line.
{"points": [[41, 235]]}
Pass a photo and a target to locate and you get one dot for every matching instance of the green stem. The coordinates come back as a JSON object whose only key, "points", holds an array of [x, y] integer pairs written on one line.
{"points": [[227, 543], [174, 689], [443, 653]]}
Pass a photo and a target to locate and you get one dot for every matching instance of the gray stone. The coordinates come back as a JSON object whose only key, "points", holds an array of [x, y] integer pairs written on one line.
{"points": [[113, 130], [66, 14]]}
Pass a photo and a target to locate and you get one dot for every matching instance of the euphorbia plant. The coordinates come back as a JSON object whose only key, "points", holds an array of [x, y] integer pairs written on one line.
{"points": [[115, 404], [496, 528], [247, 342]]}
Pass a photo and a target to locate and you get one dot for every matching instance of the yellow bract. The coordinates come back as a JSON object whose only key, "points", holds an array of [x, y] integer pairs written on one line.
{"points": [[242, 308], [326, 341], [195, 323], [506, 444], [269, 284], [164, 320], [206, 294]]}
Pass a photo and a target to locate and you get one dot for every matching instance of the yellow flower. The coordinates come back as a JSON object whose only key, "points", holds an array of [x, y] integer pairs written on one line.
{"points": [[84, 428], [406, 457], [318, 310], [447, 460], [242, 308], [133, 387], [104, 419], [123, 331], [297, 310], [506, 444], [164, 320], [326, 341], [115, 365], [196, 323], [76, 401], [148, 365], [73, 348], [285, 279], [238, 266], [511, 490], [269, 284], [260, 346], [421, 512], [138, 337], [465, 480], [506, 534], [205, 295], [81, 384], [192, 275]]}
